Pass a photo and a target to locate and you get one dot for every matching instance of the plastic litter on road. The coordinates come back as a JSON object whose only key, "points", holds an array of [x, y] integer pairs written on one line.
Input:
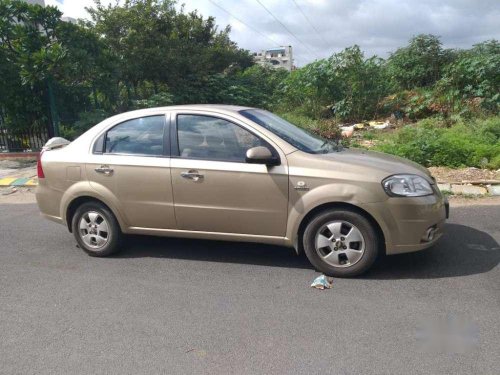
{"points": [[322, 282]]}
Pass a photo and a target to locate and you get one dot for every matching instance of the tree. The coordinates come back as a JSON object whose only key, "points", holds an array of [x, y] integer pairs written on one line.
{"points": [[345, 85], [30, 55], [169, 49], [473, 79], [420, 64]]}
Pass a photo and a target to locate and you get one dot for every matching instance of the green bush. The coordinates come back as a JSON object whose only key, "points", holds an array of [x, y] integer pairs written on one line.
{"points": [[431, 143], [346, 86], [471, 83]]}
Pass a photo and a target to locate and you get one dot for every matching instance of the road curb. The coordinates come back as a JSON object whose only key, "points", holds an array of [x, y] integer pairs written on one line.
{"points": [[18, 182], [479, 190]]}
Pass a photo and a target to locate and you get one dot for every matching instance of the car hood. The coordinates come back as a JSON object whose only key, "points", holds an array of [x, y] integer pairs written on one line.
{"points": [[386, 164]]}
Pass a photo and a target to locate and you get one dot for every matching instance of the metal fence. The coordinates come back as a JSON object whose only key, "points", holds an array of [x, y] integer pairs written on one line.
{"points": [[25, 141]]}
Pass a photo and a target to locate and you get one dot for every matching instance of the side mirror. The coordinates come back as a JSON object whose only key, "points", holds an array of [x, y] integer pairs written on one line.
{"points": [[261, 155]]}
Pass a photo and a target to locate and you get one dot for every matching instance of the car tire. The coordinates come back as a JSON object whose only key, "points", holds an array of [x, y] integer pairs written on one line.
{"points": [[96, 229], [341, 243]]}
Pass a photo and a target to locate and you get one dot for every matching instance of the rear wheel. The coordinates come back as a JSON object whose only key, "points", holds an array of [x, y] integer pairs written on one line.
{"points": [[341, 243], [96, 229]]}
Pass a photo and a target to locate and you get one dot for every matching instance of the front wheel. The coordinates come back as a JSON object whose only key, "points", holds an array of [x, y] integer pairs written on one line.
{"points": [[341, 243], [96, 229]]}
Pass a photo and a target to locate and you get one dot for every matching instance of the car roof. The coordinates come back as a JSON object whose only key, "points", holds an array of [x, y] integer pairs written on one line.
{"points": [[220, 108], [225, 107], [213, 107]]}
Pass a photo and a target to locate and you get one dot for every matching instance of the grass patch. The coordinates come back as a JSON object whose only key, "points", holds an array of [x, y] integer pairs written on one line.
{"points": [[431, 143]]}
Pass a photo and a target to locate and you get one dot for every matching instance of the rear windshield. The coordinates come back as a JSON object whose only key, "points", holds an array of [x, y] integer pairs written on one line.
{"points": [[297, 137]]}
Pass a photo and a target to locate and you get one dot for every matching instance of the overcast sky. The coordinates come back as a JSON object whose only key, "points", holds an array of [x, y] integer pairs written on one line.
{"points": [[378, 26]]}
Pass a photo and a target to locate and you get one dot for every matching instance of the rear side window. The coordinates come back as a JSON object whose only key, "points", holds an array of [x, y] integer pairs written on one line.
{"points": [[141, 136], [99, 145], [212, 138]]}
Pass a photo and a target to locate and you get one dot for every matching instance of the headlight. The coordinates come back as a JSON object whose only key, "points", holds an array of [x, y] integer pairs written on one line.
{"points": [[406, 185]]}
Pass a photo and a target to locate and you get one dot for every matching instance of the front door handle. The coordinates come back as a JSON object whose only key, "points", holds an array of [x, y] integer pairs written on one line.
{"points": [[104, 169], [192, 175]]}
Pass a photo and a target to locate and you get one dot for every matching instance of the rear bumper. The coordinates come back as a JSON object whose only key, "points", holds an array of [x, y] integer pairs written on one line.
{"points": [[407, 222], [48, 201]]}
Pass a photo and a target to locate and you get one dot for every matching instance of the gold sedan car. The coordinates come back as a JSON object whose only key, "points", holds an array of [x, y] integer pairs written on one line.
{"points": [[239, 174]]}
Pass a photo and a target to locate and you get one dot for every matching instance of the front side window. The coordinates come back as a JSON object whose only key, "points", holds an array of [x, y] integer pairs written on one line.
{"points": [[140, 136], [297, 137], [212, 138]]}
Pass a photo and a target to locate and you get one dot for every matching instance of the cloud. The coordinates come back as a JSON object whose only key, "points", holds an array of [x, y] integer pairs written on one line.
{"points": [[378, 26], [72, 8]]}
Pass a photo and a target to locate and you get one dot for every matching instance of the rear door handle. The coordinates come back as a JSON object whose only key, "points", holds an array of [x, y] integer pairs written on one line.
{"points": [[192, 175], [104, 169]]}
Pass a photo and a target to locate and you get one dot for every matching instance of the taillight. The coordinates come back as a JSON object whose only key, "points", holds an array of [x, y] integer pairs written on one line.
{"points": [[39, 169]]}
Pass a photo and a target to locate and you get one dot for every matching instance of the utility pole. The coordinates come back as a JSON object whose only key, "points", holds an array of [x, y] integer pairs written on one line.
{"points": [[53, 108]]}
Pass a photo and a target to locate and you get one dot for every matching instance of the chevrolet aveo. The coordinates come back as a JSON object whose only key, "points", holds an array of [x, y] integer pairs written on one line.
{"points": [[240, 174]]}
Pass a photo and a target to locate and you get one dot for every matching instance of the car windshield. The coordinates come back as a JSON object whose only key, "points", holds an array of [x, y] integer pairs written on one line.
{"points": [[297, 137]]}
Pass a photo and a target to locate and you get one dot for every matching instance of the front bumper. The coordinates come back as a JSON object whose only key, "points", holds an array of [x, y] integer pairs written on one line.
{"points": [[406, 222], [447, 207]]}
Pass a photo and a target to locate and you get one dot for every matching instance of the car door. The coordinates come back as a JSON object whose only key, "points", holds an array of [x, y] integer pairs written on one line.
{"points": [[130, 165], [214, 189]]}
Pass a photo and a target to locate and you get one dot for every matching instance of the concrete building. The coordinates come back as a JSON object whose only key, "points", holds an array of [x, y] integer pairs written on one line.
{"points": [[38, 2], [42, 3], [69, 19], [280, 57]]}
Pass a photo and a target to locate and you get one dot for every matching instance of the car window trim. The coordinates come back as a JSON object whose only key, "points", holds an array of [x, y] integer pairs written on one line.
{"points": [[174, 139], [98, 139], [166, 152]]}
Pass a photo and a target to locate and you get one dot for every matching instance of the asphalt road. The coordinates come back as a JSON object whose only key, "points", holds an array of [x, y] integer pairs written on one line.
{"points": [[194, 307]]}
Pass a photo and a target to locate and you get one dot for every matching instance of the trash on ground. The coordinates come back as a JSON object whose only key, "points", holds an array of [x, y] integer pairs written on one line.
{"points": [[379, 124], [322, 282], [347, 131], [10, 192]]}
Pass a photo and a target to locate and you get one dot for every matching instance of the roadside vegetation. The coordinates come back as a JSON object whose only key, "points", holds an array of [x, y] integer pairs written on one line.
{"points": [[431, 142], [442, 104]]}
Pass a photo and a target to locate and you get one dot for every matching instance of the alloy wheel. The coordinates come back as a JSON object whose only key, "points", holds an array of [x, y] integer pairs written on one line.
{"points": [[340, 244], [94, 230]]}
